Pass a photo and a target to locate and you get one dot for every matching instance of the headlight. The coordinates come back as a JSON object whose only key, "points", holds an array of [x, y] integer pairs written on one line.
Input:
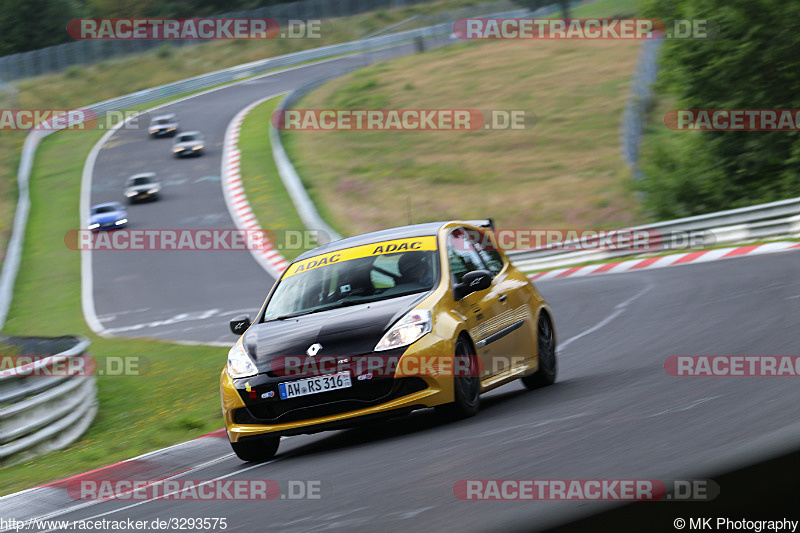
{"points": [[152, 191], [170, 129], [121, 221], [179, 149], [130, 194], [94, 226], [239, 363], [408, 329], [198, 147], [153, 131]]}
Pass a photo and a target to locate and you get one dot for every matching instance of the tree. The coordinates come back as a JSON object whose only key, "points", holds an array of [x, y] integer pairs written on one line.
{"points": [[32, 24], [752, 64]]}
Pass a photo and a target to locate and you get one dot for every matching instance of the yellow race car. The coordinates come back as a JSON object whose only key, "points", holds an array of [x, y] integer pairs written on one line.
{"points": [[375, 326]]}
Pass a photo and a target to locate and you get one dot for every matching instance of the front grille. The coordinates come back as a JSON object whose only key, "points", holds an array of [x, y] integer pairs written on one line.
{"points": [[361, 395]]}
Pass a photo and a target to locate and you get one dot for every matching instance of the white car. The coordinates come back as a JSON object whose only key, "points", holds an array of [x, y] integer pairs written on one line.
{"points": [[189, 143], [163, 125]]}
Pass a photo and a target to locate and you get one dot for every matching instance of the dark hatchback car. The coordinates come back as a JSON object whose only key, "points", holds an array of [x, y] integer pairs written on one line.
{"points": [[143, 186]]}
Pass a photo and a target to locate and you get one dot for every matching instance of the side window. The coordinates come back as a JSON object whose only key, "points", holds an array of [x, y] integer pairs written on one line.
{"points": [[488, 252], [462, 254]]}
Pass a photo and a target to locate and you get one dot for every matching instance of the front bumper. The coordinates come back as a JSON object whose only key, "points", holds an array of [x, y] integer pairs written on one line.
{"points": [[163, 132], [109, 226], [142, 196], [260, 411]]}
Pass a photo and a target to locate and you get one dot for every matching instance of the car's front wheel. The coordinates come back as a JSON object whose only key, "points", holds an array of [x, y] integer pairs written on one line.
{"points": [[256, 450], [546, 374], [466, 388]]}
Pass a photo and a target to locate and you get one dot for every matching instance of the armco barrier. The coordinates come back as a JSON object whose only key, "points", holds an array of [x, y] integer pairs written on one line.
{"points": [[774, 219], [40, 413]]}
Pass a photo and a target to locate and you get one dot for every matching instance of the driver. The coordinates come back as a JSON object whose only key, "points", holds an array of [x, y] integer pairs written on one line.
{"points": [[415, 267]]}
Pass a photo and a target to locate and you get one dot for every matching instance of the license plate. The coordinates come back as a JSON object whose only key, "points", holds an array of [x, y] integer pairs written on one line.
{"points": [[145, 195], [304, 387]]}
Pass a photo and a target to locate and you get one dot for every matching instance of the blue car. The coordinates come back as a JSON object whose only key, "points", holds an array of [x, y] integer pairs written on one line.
{"points": [[111, 215]]}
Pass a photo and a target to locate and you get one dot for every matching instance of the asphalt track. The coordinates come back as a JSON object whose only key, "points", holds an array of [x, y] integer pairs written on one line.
{"points": [[613, 414]]}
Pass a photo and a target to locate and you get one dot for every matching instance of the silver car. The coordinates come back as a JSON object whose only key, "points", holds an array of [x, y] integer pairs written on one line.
{"points": [[189, 143], [164, 125], [144, 186]]}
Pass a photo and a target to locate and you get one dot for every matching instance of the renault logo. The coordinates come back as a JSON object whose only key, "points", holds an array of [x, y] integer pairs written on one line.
{"points": [[314, 349]]}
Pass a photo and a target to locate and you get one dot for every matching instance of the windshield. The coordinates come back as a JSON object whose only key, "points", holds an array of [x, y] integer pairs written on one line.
{"points": [[353, 281], [187, 138], [104, 209], [143, 180]]}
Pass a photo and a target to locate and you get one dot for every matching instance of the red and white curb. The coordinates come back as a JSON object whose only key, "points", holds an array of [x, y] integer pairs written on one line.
{"points": [[666, 260], [236, 199]]}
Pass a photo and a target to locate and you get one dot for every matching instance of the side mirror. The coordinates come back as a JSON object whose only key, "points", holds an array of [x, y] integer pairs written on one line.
{"points": [[239, 324], [474, 281]]}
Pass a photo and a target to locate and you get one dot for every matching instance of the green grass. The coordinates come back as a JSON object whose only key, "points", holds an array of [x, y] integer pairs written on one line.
{"points": [[266, 194], [177, 400], [607, 8], [566, 171]]}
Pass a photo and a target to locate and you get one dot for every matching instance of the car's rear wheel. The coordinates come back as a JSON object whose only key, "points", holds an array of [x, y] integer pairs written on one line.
{"points": [[256, 450], [548, 366], [466, 389]]}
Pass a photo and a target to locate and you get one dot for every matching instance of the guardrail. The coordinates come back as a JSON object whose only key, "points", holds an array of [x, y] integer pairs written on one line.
{"points": [[14, 250], [638, 102], [48, 403], [291, 179], [774, 219]]}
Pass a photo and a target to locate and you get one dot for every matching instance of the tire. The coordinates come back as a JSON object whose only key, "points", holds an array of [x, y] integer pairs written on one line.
{"points": [[466, 389], [256, 450], [548, 365]]}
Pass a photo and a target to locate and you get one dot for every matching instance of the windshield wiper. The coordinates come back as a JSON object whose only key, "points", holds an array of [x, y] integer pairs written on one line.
{"points": [[292, 315], [344, 303]]}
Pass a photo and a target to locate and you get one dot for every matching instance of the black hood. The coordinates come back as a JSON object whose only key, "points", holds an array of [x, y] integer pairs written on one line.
{"points": [[353, 330]]}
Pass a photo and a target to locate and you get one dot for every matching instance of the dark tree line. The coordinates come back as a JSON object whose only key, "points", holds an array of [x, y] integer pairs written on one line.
{"points": [[31, 24]]}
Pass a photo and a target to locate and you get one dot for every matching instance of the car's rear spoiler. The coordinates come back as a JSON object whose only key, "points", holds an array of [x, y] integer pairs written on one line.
{"points": [[486, 223]]}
